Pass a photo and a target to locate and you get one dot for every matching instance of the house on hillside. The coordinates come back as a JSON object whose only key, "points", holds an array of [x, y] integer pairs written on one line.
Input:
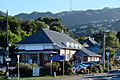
{"points": [[85, 55], [91, 45], [38, 47]]}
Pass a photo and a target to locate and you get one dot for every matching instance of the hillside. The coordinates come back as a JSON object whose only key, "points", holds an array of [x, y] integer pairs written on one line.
{"points": [[2, 13], [70, 18]]}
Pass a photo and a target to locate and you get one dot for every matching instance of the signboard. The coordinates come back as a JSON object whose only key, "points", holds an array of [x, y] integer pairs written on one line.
{"points": [[57, 57], [107, 53], [36, 71]]}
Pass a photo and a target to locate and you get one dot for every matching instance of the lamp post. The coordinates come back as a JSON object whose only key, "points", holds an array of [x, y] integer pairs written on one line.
{"points": [[18, 57], [108, 53]]}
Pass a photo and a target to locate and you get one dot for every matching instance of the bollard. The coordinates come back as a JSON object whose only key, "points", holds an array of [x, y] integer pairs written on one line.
{"points": [[54, 74]]}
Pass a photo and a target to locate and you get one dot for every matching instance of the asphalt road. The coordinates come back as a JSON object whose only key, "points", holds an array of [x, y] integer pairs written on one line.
{"points": [[113, 75]]}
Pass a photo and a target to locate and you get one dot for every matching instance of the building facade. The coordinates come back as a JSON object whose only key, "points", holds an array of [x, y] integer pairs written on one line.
{"points": [[38, 47]]}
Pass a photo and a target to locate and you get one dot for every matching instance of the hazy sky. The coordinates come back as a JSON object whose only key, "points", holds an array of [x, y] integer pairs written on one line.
{"points": [[27, 6]]}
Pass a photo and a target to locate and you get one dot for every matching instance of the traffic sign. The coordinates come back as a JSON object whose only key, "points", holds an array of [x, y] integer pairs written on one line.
{"points": [[107, 53]]}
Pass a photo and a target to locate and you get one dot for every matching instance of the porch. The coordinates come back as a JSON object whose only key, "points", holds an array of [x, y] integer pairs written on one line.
{"points": [[38, 57]]}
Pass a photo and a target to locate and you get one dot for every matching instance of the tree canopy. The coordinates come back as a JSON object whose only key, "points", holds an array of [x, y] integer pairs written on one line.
{"points": [[19, 29]]}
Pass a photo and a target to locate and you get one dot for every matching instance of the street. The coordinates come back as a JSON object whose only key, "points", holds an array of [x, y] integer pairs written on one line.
{"points": [[113, 75]]}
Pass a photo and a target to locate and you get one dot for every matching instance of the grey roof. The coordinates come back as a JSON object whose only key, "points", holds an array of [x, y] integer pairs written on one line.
{"points": [[91, 42], [2, 52], [49, 36], [36, 38], [94, 49], [85, 52]]}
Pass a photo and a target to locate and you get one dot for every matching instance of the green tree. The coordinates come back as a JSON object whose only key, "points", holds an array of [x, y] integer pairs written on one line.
{"points": [[13, 38], [112, 53], [14, 24], [112, 40]]}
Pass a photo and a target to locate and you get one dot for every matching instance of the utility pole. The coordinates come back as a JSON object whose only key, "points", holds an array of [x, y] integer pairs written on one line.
{"points": [[7, 48], [103, 53]]}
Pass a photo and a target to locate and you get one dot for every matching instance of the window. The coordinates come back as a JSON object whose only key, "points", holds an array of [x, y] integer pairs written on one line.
{"points": [[45, 56]]}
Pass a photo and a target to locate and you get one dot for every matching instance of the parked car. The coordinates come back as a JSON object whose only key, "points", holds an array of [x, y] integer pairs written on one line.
{"points": [[78, 67], [87, 64]]}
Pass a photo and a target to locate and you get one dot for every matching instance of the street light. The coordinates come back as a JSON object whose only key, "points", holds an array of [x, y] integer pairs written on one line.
{"points": [[18, 57], [108, 53]]}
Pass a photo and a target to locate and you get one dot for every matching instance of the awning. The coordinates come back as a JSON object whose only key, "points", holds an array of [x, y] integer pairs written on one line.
{"points": [[118, 53]]}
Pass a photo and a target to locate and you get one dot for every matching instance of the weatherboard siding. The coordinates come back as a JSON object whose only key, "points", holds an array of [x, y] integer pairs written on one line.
{"points": [[68, 53]]}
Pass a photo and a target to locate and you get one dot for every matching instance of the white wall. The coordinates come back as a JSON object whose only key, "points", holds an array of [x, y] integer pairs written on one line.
{"points": [[68, 53], [93, 59]]}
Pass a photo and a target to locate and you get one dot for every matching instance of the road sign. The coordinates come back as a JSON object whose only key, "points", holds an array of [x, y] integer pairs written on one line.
{"points": [[107, 53], [57, 57]]}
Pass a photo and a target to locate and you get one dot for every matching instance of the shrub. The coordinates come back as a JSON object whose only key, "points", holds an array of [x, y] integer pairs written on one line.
{"points": [[25, 69], [68, 68], [56, 66], [95, 69], [69, 71], [46, 69], [101, 70], [2, 73]]}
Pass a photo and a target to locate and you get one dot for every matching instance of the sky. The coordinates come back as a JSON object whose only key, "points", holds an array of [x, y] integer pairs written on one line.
{"points": [[15, 7]]}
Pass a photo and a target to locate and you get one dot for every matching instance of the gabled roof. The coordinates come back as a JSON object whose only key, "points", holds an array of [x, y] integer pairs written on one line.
{"points": [[91, 42], [85, 52], [49, 36], [94, 49], [36, 38]]}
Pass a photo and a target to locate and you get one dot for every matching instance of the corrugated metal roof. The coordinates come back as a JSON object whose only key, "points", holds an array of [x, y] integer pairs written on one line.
{"points": [[49, 36], [35, 38], [85, 52]]}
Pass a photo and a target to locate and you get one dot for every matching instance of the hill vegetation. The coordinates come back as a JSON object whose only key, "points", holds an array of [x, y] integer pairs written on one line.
{"points": [[19, 29], [83, 23]]}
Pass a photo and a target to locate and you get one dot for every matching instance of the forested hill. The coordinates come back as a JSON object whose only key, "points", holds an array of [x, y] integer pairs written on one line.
{"points": [[70, 18], [2, 13], [19, 29]]}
